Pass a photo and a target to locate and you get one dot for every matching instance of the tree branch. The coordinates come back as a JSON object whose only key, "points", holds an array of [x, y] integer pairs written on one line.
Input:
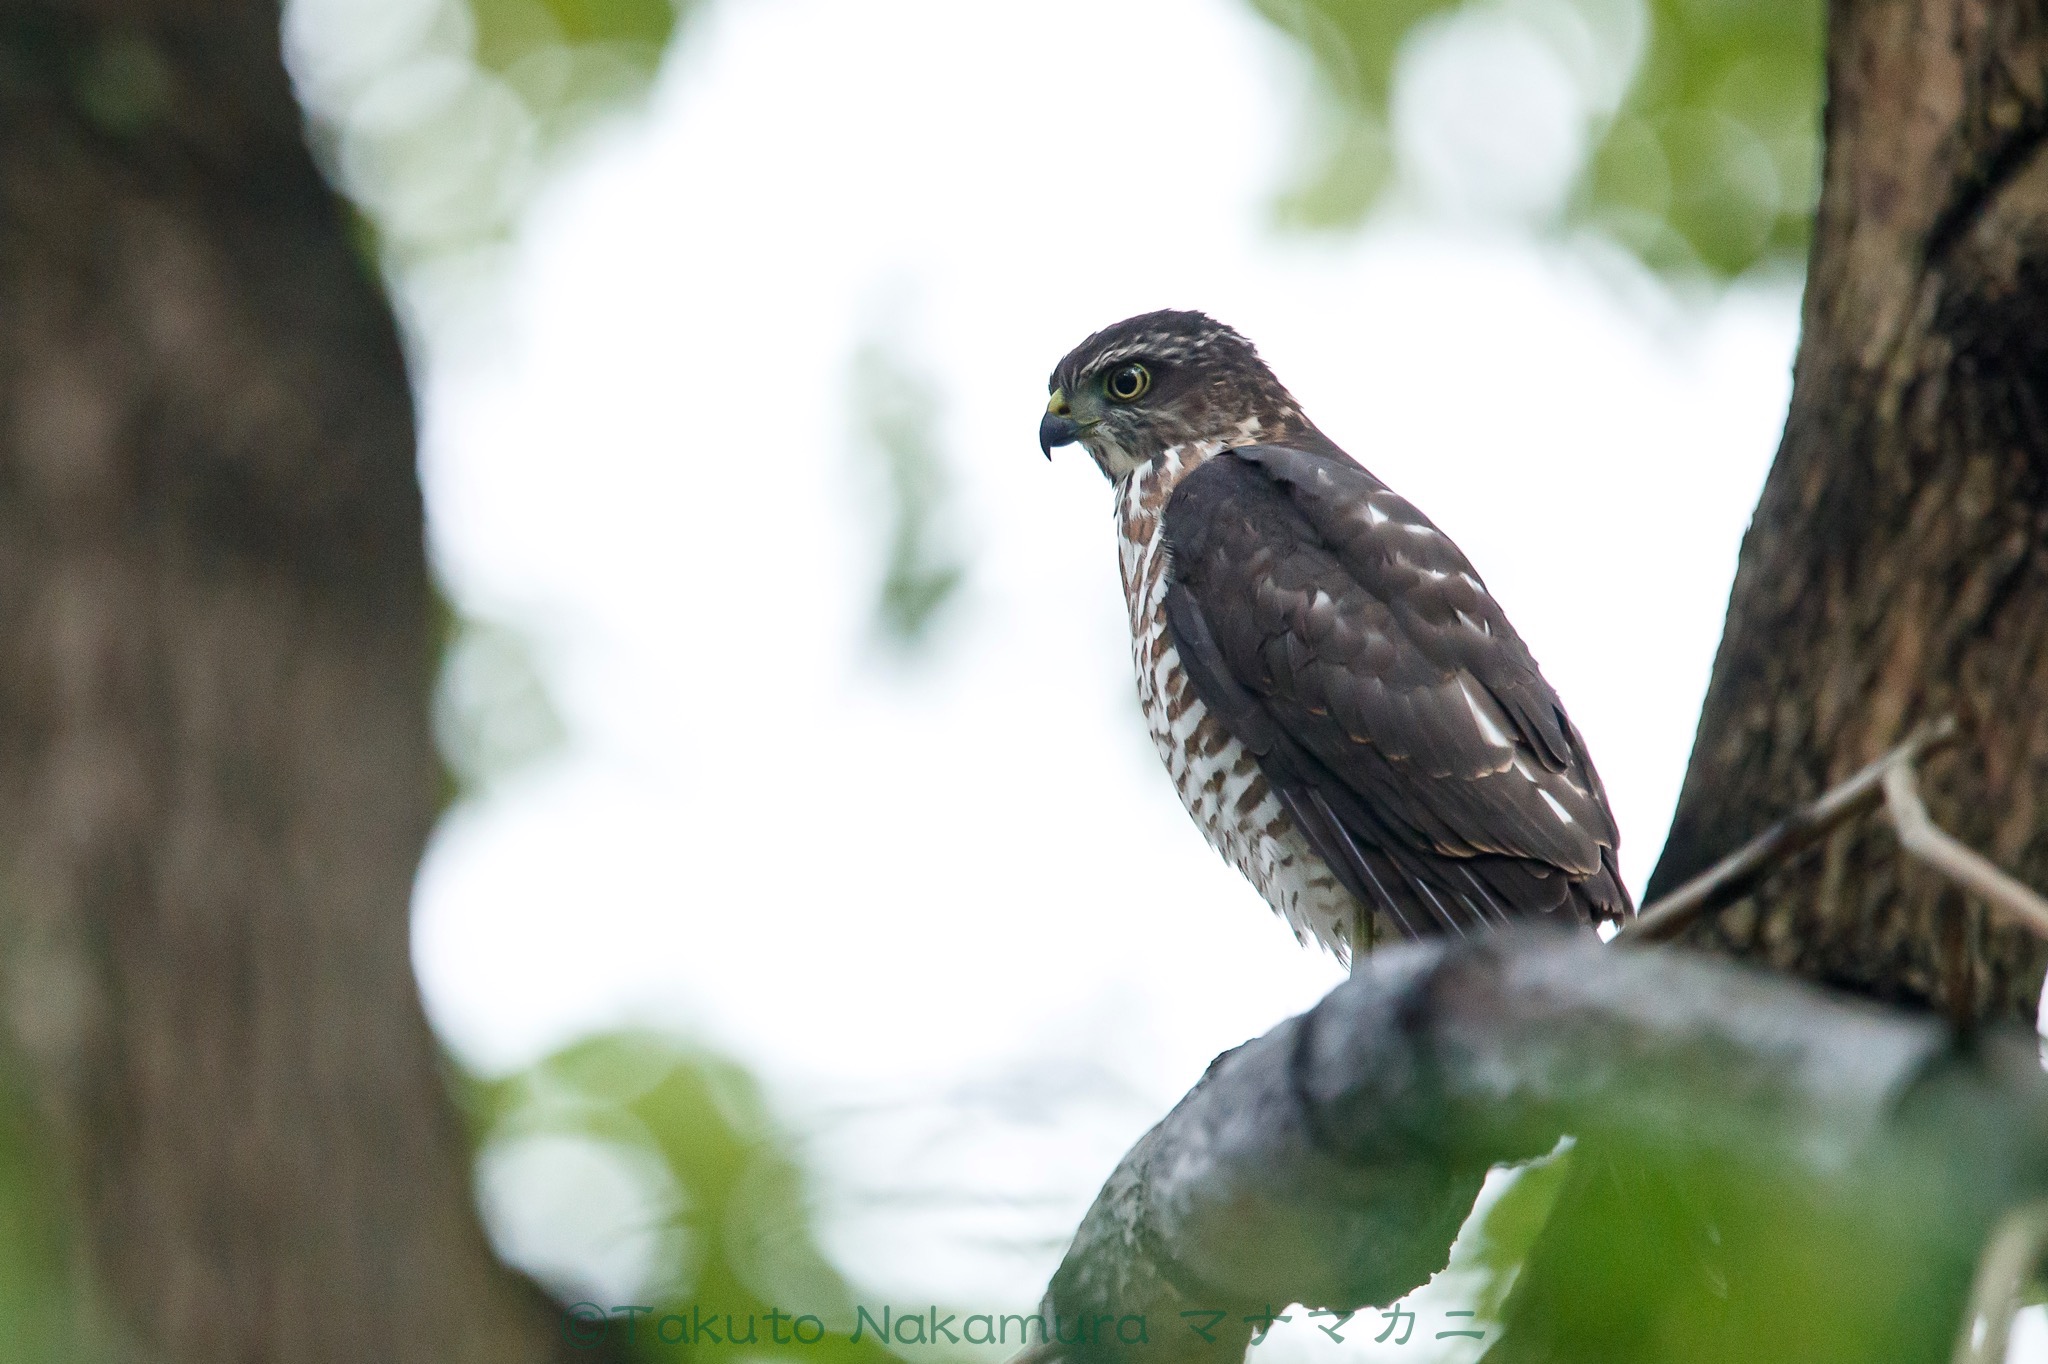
{"points": [[1331, 1161], [1890, 780], [1922, 838]]}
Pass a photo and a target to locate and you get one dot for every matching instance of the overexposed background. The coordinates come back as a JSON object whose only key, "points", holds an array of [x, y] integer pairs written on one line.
{"points": [[938, 896]]}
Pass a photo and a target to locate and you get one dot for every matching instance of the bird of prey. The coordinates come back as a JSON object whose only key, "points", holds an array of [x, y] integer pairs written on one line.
{"points": [[1342, 705]]}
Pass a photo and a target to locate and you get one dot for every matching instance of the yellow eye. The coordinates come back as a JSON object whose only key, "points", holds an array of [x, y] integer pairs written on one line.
{"points": [[1127, 383]]}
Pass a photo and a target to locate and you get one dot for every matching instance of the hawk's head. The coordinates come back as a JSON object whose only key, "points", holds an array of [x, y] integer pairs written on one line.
{"points": [[1159, 380]]}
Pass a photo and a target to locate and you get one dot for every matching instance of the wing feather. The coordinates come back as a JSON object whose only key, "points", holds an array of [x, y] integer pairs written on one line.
{"points": [[1347, 642]]}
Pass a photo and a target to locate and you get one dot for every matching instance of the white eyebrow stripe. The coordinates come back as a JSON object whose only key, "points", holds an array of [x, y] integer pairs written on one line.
{"points": [[1130, 350]]}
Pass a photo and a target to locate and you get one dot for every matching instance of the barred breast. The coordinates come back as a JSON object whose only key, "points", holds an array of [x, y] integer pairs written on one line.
{"points": [[1217, 777]]}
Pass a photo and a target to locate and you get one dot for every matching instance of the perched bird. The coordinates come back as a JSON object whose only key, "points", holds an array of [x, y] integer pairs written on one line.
{"points": [[1342, 705]]}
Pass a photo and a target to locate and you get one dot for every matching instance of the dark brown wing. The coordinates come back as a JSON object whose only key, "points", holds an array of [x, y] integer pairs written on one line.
{"points": [[1348, 643]]}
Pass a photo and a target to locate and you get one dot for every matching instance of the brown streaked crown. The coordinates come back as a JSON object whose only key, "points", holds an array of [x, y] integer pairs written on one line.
{"points": [[1207, 383]]}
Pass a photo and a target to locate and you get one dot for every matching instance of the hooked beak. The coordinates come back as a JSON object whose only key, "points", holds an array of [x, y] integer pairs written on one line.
{"points": [[1057, 427]]}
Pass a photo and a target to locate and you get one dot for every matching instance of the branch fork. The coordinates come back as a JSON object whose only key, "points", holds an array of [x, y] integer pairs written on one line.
{"points": [[1891, 781]]}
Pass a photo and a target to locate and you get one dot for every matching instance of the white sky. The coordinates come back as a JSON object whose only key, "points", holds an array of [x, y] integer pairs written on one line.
{"points": [[955, 914]]}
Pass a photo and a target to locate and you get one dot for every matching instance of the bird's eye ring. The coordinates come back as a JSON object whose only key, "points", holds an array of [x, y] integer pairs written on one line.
{"points": [[1127, 383]]}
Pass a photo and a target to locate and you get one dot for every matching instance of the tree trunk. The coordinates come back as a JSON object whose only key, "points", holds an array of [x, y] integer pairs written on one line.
{"points": [[216, 775], [1897, 565]]}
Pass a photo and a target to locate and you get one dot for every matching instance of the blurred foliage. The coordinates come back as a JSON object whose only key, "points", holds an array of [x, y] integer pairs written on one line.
{"points": [[1354, 44], [436, 117], [895, 413], [1700, 1259], [124, 86], [1700, 119], [492, 714], [721, 1204], [1780, 1220], [44, 1316], [1504, 1235]]}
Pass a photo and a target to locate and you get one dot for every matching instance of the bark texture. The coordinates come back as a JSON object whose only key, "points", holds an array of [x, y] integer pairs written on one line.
{"points": [[216, 774], [1897, 565]]}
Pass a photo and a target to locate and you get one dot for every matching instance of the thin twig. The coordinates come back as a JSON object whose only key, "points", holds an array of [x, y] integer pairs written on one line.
{"points": [[1734, 875], [2004, 1274], [1892, 780], [1921, 837]]}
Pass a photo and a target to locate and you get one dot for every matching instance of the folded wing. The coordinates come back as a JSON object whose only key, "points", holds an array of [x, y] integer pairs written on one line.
{"points": [[1347, 642]]}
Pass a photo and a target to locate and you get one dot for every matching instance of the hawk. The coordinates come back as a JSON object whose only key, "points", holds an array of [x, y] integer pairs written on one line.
{"points": [[1342, 705]]}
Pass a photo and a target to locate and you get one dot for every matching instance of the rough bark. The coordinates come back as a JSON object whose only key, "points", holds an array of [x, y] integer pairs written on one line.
{"points": [[1847, 1160], [216, 774], [1897, 565]]}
